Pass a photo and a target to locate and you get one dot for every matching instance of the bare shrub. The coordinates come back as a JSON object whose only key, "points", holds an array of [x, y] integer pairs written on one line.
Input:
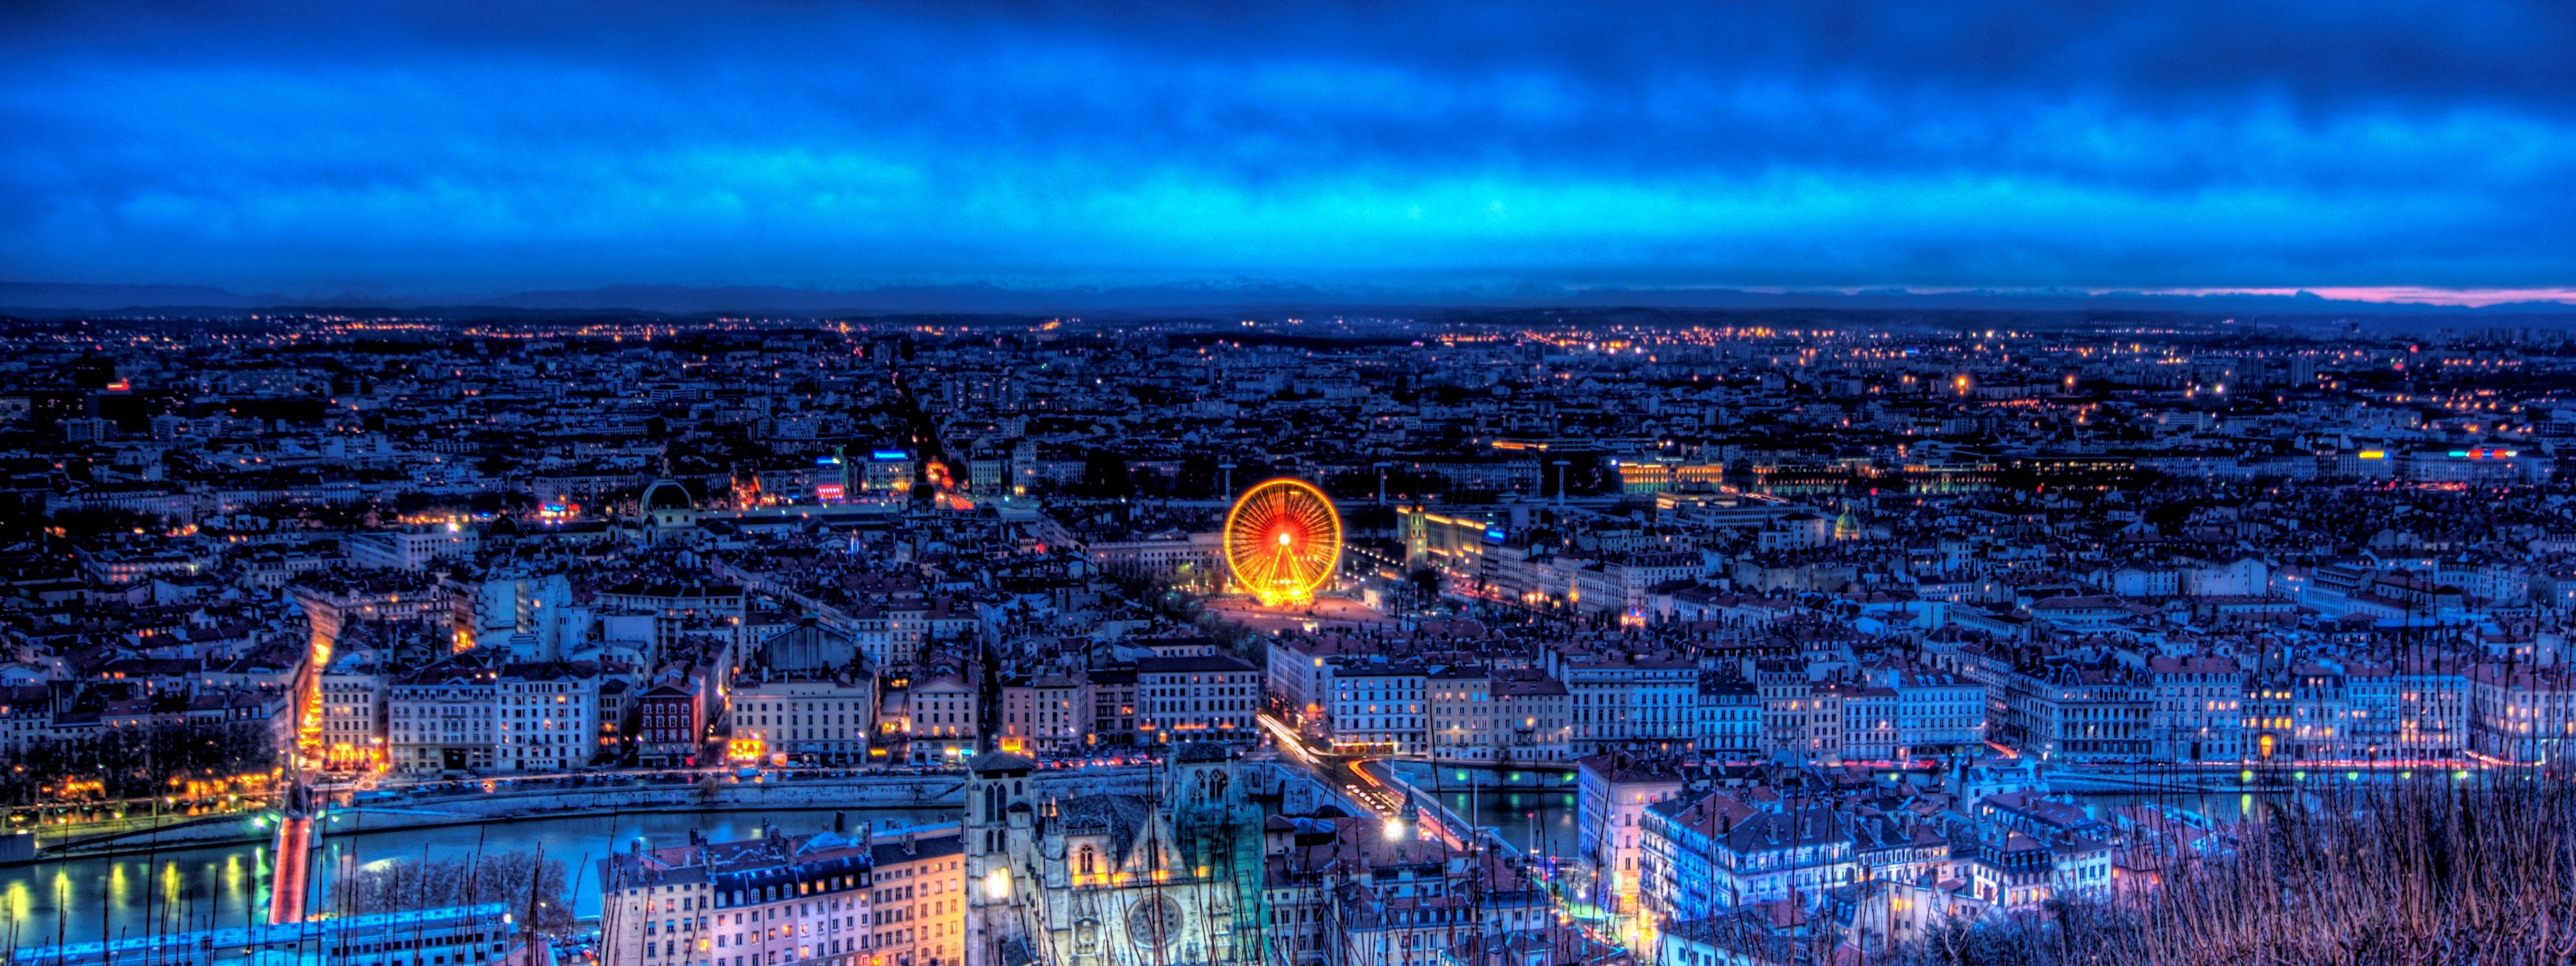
{"points": [[2433, 872]]}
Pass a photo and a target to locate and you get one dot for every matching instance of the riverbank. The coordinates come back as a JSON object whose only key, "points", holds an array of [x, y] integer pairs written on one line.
{"points": [[1490, 776], [90, 896], [772, 793]]}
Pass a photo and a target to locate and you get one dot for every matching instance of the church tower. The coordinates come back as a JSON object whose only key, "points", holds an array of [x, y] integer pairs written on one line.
{"points": [[1202, 777], [999, 825]]}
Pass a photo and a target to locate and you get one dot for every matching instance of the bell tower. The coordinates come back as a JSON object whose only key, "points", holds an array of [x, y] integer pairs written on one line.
{"points": [[998, 826], [1202, 776]]}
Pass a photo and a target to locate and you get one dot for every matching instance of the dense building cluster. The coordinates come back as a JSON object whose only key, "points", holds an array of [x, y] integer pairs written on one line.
{"points": [[1810, 614], [837, 897]]}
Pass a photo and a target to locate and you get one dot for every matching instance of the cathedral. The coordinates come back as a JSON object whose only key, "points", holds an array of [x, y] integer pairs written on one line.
{"points": [[1109, 879]]}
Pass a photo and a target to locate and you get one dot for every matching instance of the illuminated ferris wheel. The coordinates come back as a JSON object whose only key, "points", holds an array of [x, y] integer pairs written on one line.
{"points": [[1282, 540]]}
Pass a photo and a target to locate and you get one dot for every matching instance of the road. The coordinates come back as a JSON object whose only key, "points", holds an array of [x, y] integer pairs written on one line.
{"points": [[1342, 772], [1353, 775]]}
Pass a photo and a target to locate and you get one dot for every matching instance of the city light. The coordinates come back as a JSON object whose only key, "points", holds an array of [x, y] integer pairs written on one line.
{"points": [[1283, 541], [997, 885], [1605, 564]]}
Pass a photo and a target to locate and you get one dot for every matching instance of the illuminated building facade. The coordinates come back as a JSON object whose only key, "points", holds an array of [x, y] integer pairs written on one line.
{"points": [[1099, 879], [772, 899]]}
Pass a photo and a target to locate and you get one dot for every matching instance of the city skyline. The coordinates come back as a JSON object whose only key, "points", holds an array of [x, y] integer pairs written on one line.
{"points": [[1626, 637], [1326, 483]]}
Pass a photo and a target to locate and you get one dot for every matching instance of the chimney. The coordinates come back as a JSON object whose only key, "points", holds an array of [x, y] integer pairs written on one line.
{"points": [[840, 823]]}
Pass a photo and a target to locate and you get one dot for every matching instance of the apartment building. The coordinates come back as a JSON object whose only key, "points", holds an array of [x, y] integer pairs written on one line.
{"points": [[1197, 698], [774, 899], [818, 720]]}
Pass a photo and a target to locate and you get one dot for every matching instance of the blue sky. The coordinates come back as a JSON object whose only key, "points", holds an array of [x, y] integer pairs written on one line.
{"points": [[461, 148]]}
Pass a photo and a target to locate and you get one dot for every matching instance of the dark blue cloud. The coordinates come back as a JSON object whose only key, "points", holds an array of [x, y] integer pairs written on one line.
{"points": [[484, 147]]}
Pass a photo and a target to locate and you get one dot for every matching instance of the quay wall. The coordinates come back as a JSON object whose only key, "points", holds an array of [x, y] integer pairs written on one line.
{"points": [[471, 808]]}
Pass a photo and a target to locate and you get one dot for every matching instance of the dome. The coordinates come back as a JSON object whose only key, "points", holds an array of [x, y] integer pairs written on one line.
{"points": [[666, 494]]}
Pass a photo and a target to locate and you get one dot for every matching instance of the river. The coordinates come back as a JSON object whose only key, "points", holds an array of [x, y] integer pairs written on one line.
{"points": [[1531, 821], [89, 899], [1547, 820], [223, 884]]}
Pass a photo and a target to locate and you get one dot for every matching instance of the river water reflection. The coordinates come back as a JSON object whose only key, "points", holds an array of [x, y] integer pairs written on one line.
{"points": [[89, 899], [85, 900]]}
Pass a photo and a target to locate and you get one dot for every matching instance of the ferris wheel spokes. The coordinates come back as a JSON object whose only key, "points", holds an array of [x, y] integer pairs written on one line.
{"points": [[1283, 540]]}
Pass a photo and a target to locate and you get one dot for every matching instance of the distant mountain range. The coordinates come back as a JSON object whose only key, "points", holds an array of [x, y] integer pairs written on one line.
{"points": [[57, 299]]}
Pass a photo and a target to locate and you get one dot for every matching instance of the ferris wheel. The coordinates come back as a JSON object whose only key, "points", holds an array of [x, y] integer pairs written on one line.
{"points": [[1283, 540]]}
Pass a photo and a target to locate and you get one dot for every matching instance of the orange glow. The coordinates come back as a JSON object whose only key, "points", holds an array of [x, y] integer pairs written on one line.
{"points": [[1283, 541]]}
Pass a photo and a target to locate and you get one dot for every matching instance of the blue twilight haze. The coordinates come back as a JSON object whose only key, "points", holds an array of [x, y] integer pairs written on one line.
{"points": [[462, 148]]}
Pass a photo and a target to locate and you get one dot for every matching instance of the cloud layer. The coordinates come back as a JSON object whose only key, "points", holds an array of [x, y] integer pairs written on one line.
{"points": [[459, 148]]}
